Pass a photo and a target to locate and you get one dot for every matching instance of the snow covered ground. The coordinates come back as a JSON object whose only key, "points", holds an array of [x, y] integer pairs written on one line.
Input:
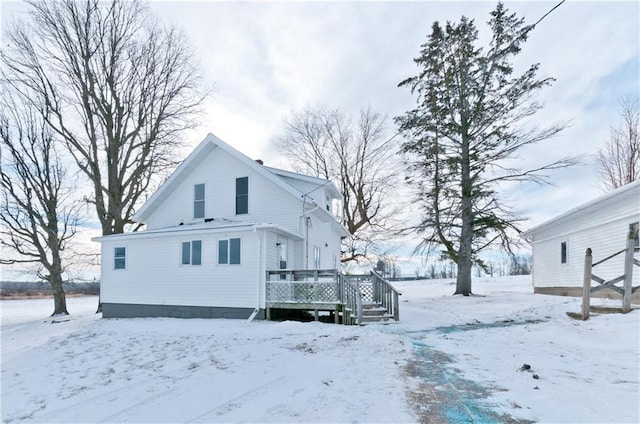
{"points": [[450, 359]]}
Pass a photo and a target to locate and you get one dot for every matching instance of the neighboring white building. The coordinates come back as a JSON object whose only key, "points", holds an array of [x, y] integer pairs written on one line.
{"points": [[213, 229], [559, 245]]}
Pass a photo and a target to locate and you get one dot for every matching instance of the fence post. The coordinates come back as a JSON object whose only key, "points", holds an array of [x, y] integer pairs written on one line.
{"points": [[586, 284], [375, 287], [628, 274], [396, 306]]}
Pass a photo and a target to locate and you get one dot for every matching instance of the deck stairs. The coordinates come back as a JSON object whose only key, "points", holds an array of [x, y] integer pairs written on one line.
{"points": [[373, 312]]}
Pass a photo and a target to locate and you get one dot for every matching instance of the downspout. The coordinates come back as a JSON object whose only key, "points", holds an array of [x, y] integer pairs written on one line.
{"points": [[261, 273]]}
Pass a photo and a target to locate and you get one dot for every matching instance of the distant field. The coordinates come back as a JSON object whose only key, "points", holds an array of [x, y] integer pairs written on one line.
{"points": [[41, 290]]}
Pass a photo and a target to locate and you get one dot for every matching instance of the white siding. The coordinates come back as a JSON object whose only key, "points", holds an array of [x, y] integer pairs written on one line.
{"points": [[322, 234], [218, 171], [154, 274], [604, 229]]}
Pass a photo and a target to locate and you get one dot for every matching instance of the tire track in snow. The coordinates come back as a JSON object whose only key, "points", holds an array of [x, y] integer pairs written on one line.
{"points": [[236, 399], [106, 396]]}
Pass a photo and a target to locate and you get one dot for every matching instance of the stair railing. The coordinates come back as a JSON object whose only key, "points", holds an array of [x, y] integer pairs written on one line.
{"points": [[386, 295], [352, 301]]}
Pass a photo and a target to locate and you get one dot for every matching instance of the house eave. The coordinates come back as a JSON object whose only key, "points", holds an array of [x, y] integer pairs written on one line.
{"points": [[198, 229], [581, 210], [333, 190]]}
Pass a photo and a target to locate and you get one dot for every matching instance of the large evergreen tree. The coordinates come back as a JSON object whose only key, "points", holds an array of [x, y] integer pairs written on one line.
{"points": [[470, 120]]}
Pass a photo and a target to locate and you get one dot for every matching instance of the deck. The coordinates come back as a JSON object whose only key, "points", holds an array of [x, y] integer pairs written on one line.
{"points": [[351, 299]]}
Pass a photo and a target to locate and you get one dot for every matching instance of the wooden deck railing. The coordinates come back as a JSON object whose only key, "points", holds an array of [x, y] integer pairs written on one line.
{"points": [[330, 290], [352, 301], [303, 286], [387, 295]]}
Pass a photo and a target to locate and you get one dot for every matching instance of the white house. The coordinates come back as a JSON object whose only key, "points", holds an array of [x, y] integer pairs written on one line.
{"points": [[213, 229], [559, 245]]}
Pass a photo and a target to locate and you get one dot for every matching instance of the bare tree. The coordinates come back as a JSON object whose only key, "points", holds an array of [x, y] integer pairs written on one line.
{"points": [[119, 88], [391, 269], [360, 156], [618, 162], [520, 264], [37, 211]]}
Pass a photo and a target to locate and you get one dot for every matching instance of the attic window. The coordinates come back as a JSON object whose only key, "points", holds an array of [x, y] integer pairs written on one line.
{"points": [[242, 195], [198, 201]]}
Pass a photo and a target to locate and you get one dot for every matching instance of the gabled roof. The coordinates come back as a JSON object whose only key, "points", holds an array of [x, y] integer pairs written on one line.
{"points": [[308, 179], [602, 201], [207, 145]]}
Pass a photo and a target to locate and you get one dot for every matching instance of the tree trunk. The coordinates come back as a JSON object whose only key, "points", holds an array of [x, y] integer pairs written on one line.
{"points": [[463, 281], [465, 252], [59, 298]]}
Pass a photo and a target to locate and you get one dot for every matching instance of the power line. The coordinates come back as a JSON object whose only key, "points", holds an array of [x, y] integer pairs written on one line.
{"points": [[547, 14]]}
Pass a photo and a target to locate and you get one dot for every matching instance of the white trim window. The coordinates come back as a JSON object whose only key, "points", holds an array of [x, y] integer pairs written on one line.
{"points": [[229, 251], [119, 258], [242, 195], [564, 254], [198, 201], [191, 252]]}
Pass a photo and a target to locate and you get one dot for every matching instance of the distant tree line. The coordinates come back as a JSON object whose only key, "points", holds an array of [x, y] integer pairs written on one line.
{"points": [[17, 289], [442, 267]]}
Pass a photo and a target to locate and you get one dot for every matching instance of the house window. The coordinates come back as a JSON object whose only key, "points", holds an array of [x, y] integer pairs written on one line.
{"points": [[633, 232], [192, 252], [198, 201], [120, 258], [229, 251], [242, 195], [563, 252], [316, 257]]}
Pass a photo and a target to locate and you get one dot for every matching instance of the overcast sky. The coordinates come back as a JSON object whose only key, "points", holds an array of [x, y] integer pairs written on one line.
{"points": [[266, 59]]}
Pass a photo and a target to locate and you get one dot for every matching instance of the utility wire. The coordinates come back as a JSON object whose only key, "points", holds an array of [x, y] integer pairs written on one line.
{"points": [[547, 14]]}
